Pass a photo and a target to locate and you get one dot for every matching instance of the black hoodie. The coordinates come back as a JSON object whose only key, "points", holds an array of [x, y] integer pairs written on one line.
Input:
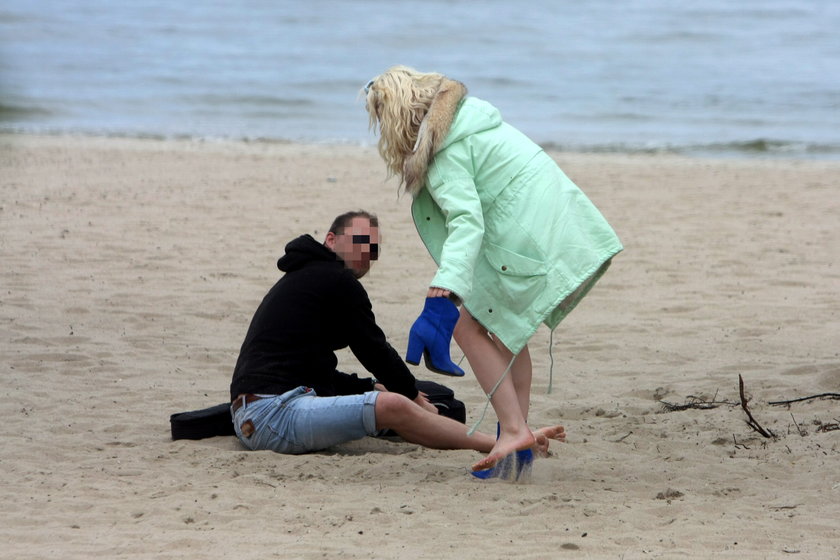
{"points": [[316, 308]]}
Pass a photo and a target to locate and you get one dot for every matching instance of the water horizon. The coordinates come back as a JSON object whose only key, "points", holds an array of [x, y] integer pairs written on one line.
{"points": [[643, 77]]}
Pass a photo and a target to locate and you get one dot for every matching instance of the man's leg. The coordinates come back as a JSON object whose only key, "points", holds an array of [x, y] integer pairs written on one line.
{"points": [[419, 426], [425, 428], [300, 422]]}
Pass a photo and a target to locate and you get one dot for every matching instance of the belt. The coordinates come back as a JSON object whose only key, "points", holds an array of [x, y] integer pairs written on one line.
{"points": [[245, 398]]}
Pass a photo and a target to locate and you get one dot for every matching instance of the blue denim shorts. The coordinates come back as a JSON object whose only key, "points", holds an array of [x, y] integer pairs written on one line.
{"points": [[299, 421]]}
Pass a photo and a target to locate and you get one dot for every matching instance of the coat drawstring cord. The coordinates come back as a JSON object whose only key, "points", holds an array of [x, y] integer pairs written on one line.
{"points": [[499, 382], [551, 358], [490, 397]]}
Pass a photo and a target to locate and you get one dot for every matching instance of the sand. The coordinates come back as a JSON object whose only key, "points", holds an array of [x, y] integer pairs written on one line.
{"points": [[130, 271]]}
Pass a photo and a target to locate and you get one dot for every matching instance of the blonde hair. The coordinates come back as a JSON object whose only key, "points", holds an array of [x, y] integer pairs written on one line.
{"points": [[397, 101]]}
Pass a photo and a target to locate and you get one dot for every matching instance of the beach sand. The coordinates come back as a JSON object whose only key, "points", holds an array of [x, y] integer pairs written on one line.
{"points": [[131, 269]]}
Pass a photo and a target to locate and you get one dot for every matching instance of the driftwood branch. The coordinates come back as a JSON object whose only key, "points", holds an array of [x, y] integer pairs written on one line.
{"points": [[812, 397], [694, 402], [751, 422], [829, 427]]}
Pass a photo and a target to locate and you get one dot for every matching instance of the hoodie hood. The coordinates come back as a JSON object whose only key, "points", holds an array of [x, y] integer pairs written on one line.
{"points": [[473, 116], [302, 251], [451, 117]]}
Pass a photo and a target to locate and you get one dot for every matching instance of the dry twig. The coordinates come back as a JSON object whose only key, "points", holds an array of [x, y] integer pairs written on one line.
{"points": [[799, 429], [738, 445], [751, 422], [695, 402], [820, 396]]}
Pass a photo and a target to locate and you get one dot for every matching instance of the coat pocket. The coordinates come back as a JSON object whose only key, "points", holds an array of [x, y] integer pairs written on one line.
{"points": [[520, 279]]}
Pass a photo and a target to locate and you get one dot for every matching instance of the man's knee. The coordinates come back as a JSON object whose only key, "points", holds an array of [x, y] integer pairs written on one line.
{"points": [[391, 408]]}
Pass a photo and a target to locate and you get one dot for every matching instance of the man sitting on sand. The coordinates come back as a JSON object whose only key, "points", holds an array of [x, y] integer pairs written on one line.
{"points": [[287, 395]]}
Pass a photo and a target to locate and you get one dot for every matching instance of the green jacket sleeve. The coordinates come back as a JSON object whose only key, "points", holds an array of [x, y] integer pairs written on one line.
{"points": [[451, 186]]}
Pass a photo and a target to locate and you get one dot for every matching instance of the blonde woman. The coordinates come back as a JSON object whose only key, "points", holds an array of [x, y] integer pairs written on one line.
{"points": [[515, 241]]}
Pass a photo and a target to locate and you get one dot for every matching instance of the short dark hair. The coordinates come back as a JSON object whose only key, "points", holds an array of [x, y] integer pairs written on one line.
{"points": [[344, 220]]}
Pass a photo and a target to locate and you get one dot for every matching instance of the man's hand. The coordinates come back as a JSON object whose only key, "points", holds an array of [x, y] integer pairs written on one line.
{"points": [[423, 402]]}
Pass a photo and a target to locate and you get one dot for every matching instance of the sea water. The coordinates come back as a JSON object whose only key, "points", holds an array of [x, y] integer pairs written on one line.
{"points": [[713, 76]]}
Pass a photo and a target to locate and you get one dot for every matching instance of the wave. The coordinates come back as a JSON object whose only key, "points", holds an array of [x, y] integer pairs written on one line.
{"points": [[252, 100], [759, 147], [16, 112]]}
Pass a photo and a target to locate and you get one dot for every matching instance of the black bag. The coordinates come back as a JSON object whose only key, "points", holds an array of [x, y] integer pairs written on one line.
{"points": [[217, 421], [204, 423], [444, 399]]}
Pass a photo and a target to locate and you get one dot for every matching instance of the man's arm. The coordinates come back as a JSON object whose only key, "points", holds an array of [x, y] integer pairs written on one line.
{"points": [[352, 384], [369, 345]]}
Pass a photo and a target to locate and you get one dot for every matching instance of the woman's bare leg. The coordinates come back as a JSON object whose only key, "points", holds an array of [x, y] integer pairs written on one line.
{"points": [[521, 373], [489, 364]]}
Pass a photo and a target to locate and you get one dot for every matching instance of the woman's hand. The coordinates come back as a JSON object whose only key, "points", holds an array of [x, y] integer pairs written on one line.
{"points": [[443, 292], [438, 292]]}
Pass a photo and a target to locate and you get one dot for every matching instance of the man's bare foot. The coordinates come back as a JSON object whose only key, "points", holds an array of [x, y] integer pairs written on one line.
{"points": [[543, 435], [541, 448], [557, 433]]}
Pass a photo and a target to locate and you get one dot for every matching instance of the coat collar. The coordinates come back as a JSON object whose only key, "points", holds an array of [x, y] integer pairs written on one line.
{"points": [[433, 131]]}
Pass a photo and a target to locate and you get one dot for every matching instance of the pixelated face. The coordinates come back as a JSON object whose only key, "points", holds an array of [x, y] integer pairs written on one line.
{"points": [[357, 245]]}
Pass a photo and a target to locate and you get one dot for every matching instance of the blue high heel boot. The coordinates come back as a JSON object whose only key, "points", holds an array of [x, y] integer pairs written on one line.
{"points": [[430, 336]]}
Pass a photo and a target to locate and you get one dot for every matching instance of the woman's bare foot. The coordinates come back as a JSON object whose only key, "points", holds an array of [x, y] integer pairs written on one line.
{"points": [[505, 445]]}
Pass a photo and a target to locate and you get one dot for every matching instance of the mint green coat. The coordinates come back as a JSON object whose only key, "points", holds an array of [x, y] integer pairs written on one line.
{"points": [[512, 236]]}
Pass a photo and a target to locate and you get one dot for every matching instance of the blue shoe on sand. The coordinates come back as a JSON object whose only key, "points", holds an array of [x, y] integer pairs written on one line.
{"points": [[431, 334], [513, 467]]}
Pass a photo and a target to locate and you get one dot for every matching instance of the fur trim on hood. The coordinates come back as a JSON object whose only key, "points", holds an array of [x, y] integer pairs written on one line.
{"points": [[433, 131]]}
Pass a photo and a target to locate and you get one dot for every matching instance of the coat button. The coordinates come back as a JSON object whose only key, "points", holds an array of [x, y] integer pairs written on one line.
{"points": [[428, 219], [504, 268]]}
